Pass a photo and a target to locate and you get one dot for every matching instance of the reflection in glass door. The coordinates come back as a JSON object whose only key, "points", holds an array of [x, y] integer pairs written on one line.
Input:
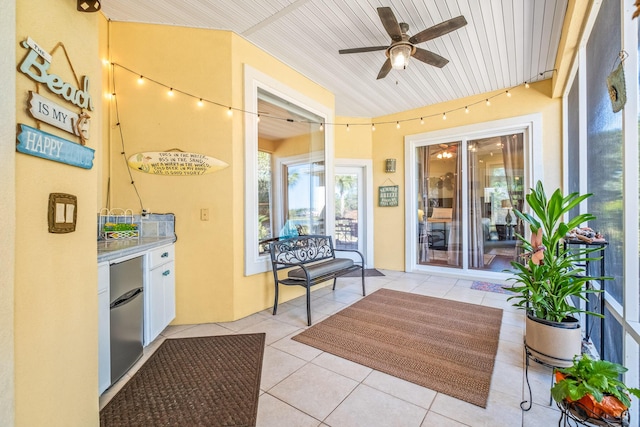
{"points": [[349, 208], [495, 188], [439, 208]]}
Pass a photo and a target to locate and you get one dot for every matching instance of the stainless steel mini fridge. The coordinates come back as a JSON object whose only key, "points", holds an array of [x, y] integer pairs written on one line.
{"points": [[126, 308]]}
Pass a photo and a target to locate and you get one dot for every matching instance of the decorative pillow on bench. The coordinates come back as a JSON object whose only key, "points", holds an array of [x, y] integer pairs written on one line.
{"points": [[320, 269]]}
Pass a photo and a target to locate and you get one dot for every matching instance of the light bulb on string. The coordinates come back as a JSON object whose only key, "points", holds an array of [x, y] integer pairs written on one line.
{"points": [[347, 127], [229, 112], [258, 118], [421, 121], [444, 116], [526, 85], [508, 94], [140, 80], [170, 93], [488, 102], [466, 110], [321, 127], [373, 127], [200, 103], [397, 125]]}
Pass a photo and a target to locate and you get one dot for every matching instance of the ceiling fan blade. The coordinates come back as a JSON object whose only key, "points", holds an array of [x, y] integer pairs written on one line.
{"points": [[386, 67], [390, 23], [430, 58], [363, 49], [439, 30]]}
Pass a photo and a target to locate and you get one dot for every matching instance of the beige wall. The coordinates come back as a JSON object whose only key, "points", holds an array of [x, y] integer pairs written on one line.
{"points": [[56, 274], [388, 142], [7, 210]]}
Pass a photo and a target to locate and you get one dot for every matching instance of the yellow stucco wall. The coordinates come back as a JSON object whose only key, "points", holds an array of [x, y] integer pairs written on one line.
{"points": [[56, 360], [388, 142], [210, 281]]}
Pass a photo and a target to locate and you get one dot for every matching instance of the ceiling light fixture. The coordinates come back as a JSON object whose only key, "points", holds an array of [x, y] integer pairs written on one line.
{"points": [[399, 55]]}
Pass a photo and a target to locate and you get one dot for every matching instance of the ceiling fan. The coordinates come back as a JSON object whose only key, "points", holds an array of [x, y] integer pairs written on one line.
{"points": [[402, 46]]}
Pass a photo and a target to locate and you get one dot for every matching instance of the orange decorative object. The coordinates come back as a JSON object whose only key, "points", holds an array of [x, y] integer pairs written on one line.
{"points": [[610, 407]]}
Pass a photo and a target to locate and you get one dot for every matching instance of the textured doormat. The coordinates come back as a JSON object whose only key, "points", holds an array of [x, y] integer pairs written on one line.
{"points": [[368, 272], [203, 381], [491, 287], [444, 345]]}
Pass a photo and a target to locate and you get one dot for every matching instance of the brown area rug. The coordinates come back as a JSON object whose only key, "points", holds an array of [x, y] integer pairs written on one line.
{"points": [[203, 381], [444, 345]]}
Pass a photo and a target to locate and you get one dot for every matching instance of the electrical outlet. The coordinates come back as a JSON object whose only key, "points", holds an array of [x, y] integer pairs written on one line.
{"points": [[204, 214]]}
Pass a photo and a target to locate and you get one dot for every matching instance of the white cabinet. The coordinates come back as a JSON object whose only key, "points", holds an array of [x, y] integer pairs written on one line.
{"points": [[104, 341], [160, 300]]}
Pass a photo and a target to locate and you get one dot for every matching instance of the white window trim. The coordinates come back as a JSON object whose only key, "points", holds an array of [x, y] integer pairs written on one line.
{"points": [[530, 125], [254, 79]]}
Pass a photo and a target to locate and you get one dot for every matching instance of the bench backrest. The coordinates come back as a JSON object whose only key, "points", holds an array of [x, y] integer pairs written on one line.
{"points": [[301, 250]]}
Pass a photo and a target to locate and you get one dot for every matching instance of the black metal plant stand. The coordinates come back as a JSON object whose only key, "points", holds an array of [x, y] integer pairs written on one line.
{"points": [[575, 414]]}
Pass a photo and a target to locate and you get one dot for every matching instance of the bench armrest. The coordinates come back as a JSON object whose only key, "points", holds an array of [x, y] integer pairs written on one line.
{"points": [[352, 250]]}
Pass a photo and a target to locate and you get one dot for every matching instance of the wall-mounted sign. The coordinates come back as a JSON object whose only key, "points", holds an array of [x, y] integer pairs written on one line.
{"points": [[388, 195], [47, 146], [36, 65], [49, 112], [175, 163]]}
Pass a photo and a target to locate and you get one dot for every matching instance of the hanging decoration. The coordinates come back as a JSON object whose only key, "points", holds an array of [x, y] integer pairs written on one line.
{"points": [[175, 162], [616, 84]]}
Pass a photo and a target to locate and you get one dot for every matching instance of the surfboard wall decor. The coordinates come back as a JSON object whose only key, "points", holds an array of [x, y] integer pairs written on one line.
{"points": [[174, 163]]}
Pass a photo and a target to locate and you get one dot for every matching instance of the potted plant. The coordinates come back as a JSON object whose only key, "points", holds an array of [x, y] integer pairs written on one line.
{"points": [[549, 276], [590, 390]]}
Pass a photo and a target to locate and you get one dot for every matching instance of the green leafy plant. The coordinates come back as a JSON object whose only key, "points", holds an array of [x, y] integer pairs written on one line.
{"points": [[592, 377], [550, 272]]}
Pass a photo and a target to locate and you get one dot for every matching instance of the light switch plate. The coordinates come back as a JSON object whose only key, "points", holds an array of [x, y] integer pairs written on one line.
{"points": [[63, 212]]}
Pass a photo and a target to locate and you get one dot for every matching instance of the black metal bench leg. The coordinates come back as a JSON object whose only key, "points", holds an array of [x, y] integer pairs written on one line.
{"points": [[275, 302], [335, 279], [308, 305], [364, 292]]}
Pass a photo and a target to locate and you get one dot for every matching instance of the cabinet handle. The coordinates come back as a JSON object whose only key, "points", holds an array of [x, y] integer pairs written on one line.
{"points": [[164, 255], [166, 273]]}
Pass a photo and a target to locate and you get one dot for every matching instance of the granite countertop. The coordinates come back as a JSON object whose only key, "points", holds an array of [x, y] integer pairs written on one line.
{"points": [[109, 250]]}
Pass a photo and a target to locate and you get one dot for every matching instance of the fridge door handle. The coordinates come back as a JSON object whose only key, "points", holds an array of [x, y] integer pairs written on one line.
{"points": [[125, 298]]}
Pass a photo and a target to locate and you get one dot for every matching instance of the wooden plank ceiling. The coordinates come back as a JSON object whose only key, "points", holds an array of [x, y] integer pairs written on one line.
{"points": [[505, 43]]}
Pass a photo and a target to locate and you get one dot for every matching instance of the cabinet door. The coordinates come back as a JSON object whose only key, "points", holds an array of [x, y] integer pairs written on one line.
{"points": [[154, 315], [169, 291]]}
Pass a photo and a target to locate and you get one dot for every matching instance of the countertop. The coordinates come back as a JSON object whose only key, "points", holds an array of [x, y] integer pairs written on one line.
{"points": [[109, 250]]}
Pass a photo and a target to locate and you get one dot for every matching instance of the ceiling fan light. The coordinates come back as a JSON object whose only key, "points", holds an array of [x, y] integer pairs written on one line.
{"points": [[399, 55]]}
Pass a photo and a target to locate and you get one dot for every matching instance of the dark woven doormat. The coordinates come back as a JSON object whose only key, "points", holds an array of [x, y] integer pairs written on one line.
{"points": [[203, 381], [447, 346]]}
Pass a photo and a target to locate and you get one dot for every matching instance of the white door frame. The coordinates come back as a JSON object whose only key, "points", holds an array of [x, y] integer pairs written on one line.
{"points": [[367, 201], [530, 125]]}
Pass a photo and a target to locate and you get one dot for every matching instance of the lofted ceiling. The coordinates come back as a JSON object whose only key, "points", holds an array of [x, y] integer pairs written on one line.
{"points": [[504, 44]]}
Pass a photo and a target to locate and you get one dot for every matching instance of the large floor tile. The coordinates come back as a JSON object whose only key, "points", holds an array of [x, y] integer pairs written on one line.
{"points": [[275, 413], [342, 366], [368, 407], [502, 410], [401, 389], [276, 366], [314, 390], [203, 330], [302, 351], [274, 330], [436, 420]]}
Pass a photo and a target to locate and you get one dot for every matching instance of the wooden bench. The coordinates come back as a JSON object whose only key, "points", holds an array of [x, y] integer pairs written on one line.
{"points": [[310, 260]]}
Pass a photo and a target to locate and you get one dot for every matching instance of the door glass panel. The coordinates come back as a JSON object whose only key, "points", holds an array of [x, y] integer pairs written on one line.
{"points": [[439, 205], [347, 211], [495, 188]]}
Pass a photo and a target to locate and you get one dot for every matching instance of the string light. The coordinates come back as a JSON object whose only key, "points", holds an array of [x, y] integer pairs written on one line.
{"points": [[230, 109], [373, 127], [258, 118]]}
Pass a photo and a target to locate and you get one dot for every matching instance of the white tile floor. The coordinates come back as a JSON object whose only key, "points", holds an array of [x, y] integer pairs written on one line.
{"points": [[303, 386]]}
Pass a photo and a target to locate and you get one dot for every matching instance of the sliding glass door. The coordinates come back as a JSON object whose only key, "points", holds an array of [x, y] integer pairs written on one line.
{"points": [[466, 193]]}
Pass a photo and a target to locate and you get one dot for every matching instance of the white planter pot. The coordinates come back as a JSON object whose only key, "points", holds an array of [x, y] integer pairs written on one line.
{"points": [[553, 343]]}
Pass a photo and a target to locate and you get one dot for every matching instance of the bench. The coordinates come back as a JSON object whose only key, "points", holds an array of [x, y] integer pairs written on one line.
{"points": [[310, 260]]}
